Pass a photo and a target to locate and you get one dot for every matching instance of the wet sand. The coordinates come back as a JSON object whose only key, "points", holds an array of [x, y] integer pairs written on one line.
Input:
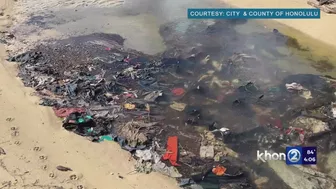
{"points": [[35, 143]]}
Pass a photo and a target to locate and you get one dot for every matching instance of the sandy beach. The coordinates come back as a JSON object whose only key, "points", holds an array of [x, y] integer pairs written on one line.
{"points": [[318, 34], [35, 143]]}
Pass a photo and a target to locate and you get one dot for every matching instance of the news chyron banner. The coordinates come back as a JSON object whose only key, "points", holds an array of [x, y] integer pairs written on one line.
{"points": [[234, 13]]}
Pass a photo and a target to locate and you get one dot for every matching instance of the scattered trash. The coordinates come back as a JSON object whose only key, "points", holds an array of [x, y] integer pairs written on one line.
{"points": [[113, 94], [62, 168], [219, 170], [333, 109], [305, 93], [129, 106], [178, 106], [152, 96], [65, 112], [178, 91], [172, 150], [294, 86], [207, 152]]}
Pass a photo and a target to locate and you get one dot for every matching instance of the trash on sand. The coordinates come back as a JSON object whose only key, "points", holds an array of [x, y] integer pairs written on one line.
{"points": [[178, 106], [207, 152], [65, 112], [172, 150], [149, 160], [144, 155], [62, 168], [136, 132]]}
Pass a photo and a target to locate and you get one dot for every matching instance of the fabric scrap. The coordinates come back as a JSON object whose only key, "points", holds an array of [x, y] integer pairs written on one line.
{"points": [[172, 150]]}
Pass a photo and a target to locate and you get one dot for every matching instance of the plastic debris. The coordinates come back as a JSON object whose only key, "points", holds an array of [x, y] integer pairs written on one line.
{"points": [[178, 106], [178, 91], [172, 151], [129, 106], [219, 170], [207, 152]]}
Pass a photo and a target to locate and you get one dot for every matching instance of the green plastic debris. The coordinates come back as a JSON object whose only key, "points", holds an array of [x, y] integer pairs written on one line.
{"points": [[85, 119], [81, 120], [105, 138], [90, 130]]}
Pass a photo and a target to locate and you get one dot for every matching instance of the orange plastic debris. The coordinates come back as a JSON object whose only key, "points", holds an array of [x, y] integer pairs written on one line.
{"points": [[219, 170]]}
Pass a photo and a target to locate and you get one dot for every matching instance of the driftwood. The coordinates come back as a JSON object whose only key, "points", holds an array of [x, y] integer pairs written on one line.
{"points": [[328, 6]]}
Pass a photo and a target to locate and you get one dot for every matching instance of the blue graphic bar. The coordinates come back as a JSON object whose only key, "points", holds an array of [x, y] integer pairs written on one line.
{"points": [[207, 13], [297, 155]]}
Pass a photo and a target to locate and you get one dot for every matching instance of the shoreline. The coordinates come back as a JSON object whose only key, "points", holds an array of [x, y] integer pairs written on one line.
{"points": [[318, 35]]}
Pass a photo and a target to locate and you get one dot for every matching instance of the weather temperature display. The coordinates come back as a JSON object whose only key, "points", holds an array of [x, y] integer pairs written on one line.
{"points": [[309, 156]]}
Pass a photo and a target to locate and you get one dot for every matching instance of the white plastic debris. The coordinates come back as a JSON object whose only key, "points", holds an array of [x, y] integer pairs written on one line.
{"points": [[207, 152], [144, 155], [333, 109], [294, 86], [305, 93]]}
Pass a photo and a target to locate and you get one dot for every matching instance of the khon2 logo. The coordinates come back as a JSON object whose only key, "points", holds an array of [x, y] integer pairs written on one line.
{"points": [[294, 155]]}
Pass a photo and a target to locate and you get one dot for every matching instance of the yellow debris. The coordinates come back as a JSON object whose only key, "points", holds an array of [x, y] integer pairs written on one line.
{"points": [[129, 106]]}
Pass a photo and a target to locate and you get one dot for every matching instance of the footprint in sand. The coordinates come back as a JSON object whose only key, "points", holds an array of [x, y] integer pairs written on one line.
{"points": [[43, 157], [52, 175], [75, 176], [80, 187], [10, 119], [2, 151], [15, 131], [44, 167], [37, 149]]}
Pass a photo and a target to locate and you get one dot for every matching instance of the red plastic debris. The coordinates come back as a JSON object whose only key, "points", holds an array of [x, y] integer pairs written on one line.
{"points": [[178, 91], [172, 150], [300, 131], [65, 112], [108, 48], [129, 95], [127, 59], [278, 124]]}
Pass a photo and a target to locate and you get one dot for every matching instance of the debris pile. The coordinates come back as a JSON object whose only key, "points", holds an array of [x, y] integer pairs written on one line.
{"points": [[328, 6], [199, 119]]}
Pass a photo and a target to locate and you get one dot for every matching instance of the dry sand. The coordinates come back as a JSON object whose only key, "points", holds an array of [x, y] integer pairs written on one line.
{"points": [[35, 143]]}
